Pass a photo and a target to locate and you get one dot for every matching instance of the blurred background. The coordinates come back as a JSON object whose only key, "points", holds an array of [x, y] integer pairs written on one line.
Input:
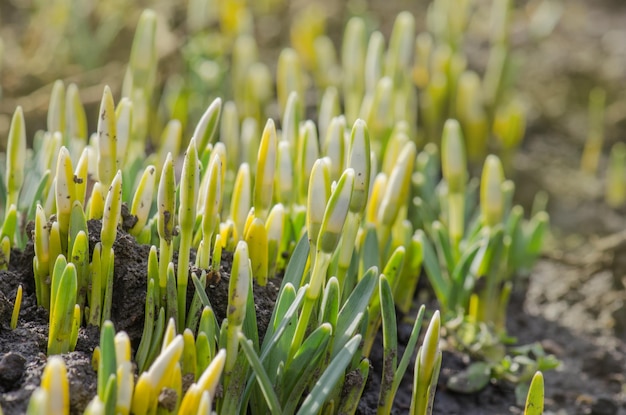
{"points": [[562, 49]]}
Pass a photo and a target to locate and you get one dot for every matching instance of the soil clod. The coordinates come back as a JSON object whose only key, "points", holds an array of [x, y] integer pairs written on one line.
{"points": [[11, 370]]}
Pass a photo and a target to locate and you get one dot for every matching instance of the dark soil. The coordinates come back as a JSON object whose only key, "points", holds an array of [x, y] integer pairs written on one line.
{"points": [[23, 350]]}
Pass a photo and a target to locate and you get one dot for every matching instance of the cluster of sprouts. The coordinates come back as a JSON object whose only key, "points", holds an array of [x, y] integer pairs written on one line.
{"points": [[348, 208]]}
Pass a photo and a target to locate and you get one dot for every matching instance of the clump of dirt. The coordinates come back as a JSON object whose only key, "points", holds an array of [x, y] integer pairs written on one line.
{"points": [[264, 296], [23, 350]]}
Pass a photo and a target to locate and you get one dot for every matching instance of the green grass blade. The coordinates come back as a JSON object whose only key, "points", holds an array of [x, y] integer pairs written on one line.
{"points": [[304, 365], [441, 285], [261, 376], [326, 383], [297, 263], [370, 256], [350, 400], [534, 400], [330, 302], [352, 312], [408, 351], [271, 342], [390, 346]]}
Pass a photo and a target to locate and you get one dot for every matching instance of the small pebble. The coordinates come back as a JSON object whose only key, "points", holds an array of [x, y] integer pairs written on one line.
{"points": [[11, 369], [604, 406], [167, 399]]}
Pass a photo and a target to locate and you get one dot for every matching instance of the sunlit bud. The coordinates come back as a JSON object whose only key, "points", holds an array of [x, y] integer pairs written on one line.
{"points": [[56, 108], [319, 192], [397, 189], [241, 199], [329, 108], [453, 162], [335, 146], [491, 198], [123, 116], [107, 139], [265, 171], [336, 212], [142, 201], [16, 156], [359, 160], [374, 61], [289, 76], [207, 126]]}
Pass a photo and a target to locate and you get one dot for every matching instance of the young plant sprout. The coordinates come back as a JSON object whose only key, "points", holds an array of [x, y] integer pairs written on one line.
{"points": [[16, 307]]}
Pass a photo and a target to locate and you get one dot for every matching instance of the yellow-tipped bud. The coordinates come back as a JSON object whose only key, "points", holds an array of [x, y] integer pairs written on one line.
{"points": [[122, 347], [56, 108], [125, 386], [335, 146], [509, 124], [285, 177], [291, 120], [112, 212], [54, 382], [453, 162], [81, 178], [143, 395], [237, 298], [427, 366], [471, 114], [265, 171], [250, 141], [76, 120], [96, 202], [430, 347], [107, 139], [16, 307], [170, 141], [42, 239], [423, 52], [240, 204], [163, 366], [229, 134], [359, 160], [401, 46], [256, 238], [64, 189], [16, 156], [170, 329], [374, 61], [336, 212], [213, 198], [329, 108], [123, 127], [308, 153], [206, 128], [319, 192], [535, 398], [353, 51], [143, 54], [491, 198], [397, 189], [189, 184], [142, 201], [166, 200], [239, 284], [289, 76], [376, 197]]}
